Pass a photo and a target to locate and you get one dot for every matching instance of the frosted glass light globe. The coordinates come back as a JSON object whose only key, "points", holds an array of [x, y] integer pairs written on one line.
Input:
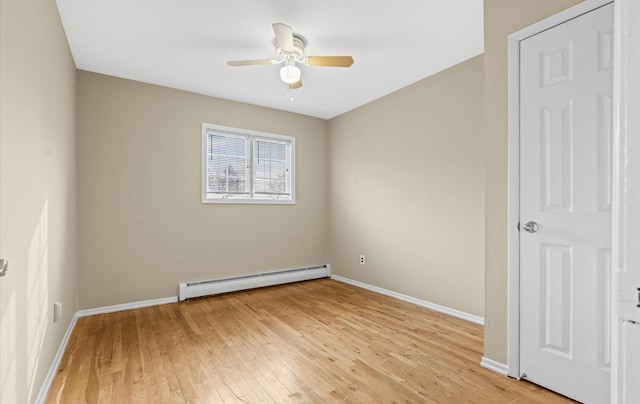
{"points": [[290, 74]]}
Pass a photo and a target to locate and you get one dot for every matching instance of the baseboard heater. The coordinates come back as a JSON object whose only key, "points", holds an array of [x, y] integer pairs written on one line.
{"points": [[215, 286]]}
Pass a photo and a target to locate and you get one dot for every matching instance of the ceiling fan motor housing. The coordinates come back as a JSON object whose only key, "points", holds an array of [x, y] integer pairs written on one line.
{"points": [[296, 55]]}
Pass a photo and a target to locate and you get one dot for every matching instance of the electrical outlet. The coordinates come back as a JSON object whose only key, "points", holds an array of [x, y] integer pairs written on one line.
{"points": [[362, 260], [57, 311]]}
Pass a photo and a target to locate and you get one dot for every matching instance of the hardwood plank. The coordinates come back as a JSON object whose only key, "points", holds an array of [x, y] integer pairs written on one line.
{"points": [[309, 342]]}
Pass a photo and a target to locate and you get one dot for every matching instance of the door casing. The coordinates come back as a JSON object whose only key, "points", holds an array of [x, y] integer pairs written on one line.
{"points": [[626, 192]]}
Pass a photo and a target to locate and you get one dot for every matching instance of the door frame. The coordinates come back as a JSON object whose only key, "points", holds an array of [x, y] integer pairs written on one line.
{"points": [[625, 195], [513, 235]]}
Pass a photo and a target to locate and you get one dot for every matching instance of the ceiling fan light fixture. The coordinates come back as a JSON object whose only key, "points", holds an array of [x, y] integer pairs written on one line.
{"points": [[290, 73]]}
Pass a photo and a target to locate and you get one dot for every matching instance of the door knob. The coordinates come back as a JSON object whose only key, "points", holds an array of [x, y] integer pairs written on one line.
{"points": [[530, 227], [4, 266]]}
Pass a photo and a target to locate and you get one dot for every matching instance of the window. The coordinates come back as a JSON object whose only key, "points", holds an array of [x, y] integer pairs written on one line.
{"points": [[245, 166]]}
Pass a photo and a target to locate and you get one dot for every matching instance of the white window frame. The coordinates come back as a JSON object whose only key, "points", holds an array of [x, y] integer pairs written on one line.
{"points": [[252, 136]]}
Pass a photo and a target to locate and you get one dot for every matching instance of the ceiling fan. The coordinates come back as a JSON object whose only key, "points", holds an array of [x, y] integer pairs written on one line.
{"points": [[290, 50]]}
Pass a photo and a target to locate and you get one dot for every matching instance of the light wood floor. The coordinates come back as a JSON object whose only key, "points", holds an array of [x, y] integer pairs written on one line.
{"points": [[313, 342]]}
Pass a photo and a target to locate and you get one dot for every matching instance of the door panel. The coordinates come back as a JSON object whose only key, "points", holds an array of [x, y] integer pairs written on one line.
{"points": [[604, 308], [605, 139], [555, 287], [565, 187], [555, 172]]}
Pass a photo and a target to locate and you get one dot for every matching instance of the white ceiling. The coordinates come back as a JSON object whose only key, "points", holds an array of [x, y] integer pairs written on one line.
{"points": [[185, 45]]}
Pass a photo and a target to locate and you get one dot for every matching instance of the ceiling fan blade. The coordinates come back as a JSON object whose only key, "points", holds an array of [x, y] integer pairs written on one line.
{"points": [[295, 85], [284, 36], [334, 61], [252, 62]]}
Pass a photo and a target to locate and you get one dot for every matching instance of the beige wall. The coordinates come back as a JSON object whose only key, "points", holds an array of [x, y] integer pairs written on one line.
{"points": [[37, 193], [142, 227], [501, 17], [406, 178]]}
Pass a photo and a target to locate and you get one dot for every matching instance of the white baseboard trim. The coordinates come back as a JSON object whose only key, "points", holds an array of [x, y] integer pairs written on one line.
{"points": [[127, 306], [436, 307], [46, 385], [497, 367]]}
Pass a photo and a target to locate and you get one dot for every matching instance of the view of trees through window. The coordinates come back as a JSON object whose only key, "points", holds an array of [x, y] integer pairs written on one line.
{"points": [[226, 164], [270, 162]]}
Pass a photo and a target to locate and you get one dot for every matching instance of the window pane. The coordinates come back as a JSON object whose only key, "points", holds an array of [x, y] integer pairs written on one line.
{"points": [[226, 164], [270, 167]]}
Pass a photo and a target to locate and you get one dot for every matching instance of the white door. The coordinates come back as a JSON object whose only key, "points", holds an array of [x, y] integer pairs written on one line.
{"points": [[565, 206]]}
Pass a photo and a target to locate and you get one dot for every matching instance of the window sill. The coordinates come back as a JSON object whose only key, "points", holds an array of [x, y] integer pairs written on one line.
{"points": [[249, 201]]}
